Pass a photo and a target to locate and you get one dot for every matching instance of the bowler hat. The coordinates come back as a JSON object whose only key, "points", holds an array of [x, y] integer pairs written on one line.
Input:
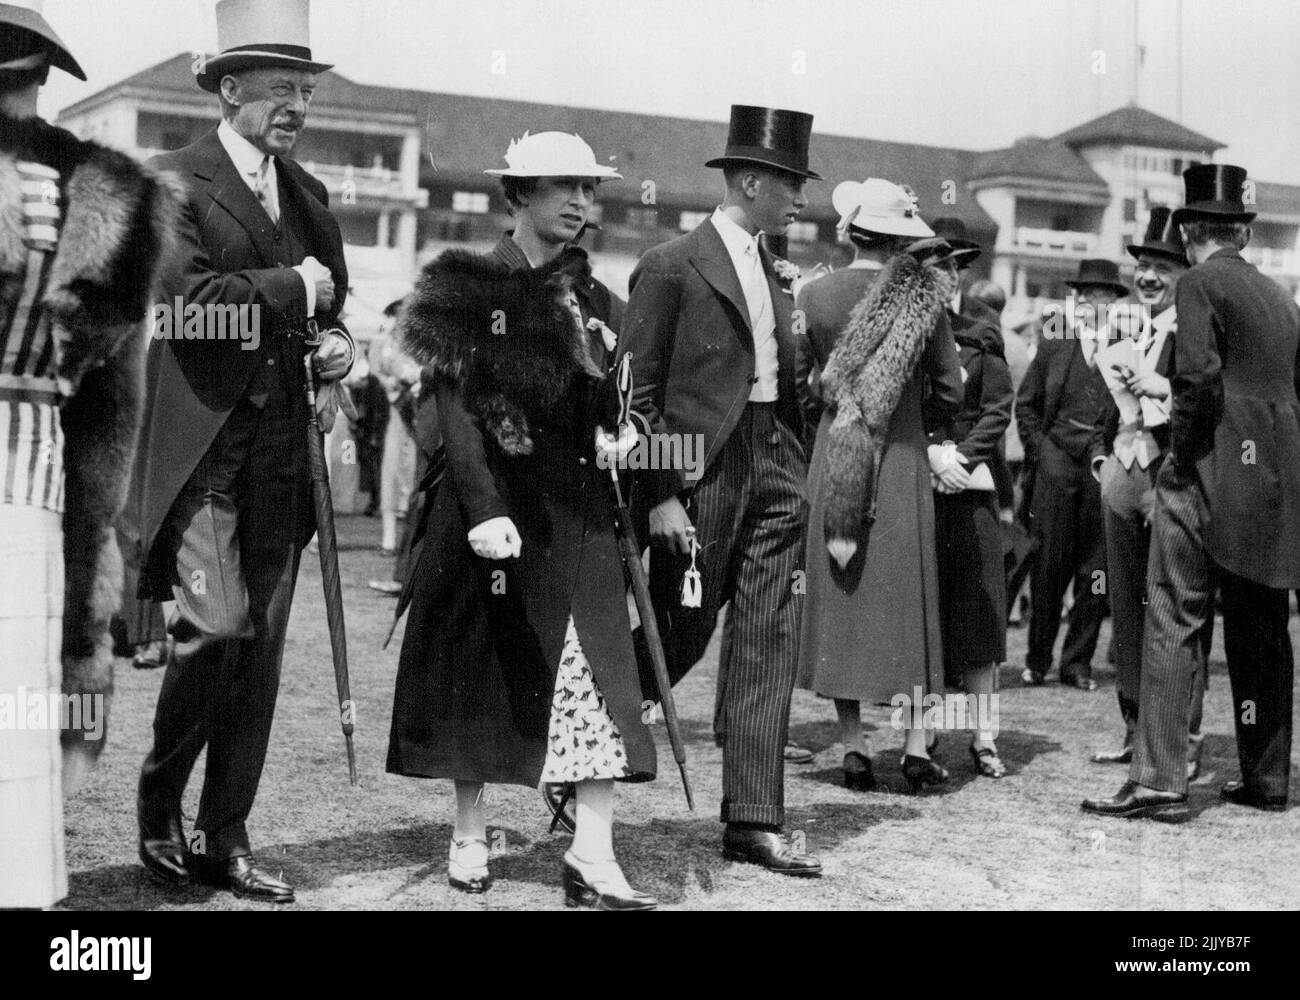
{"points": [[1213, 191], [254, 33], [45, 43], [1162, 238], [953, 232], [770, 137], [1096, 271]]}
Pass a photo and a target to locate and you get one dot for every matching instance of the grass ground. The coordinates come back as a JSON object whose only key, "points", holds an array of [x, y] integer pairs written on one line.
{"points": [[1019, 843]]}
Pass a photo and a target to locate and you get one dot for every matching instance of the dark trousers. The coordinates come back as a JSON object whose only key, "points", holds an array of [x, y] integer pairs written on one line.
{"points": [[233, 534], [749, 511], [1182, 582], [1125, 502], [1065, 514]]}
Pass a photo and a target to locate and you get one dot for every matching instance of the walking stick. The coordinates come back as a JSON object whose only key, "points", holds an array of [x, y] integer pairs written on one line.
{"points": [[631, 552], [328, 545]]}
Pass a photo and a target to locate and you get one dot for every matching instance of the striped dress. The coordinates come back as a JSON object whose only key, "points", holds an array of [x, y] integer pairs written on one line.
{"points": [[32, 869], [31, 470]]}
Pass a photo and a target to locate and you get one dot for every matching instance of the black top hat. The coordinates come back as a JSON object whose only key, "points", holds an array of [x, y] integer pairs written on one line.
{"points": [[953, 232], [32, 23], [1162, 238], [1096, 271], [768, 136], [1213, 191]]}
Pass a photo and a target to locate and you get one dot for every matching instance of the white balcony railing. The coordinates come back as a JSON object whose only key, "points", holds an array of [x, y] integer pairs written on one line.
{"points": [[1054, 241]]}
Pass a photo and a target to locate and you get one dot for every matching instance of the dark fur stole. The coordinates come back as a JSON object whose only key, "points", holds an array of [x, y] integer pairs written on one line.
{"points": [[119, 221], [864, 377], [505, 338]]}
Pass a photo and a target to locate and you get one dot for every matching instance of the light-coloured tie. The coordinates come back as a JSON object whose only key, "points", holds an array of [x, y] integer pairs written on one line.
{"points": [[757, 280], [262, 189]]}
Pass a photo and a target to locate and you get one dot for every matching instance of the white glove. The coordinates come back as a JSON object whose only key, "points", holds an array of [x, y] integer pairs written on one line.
{"points": [[495, 538]]}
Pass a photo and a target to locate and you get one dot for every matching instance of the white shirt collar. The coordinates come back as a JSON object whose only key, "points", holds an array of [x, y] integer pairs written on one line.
{"points": [[246, 157], [1166, 320], [737, 240]]}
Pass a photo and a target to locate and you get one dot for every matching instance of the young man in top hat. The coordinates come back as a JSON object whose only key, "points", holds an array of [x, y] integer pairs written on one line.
{"points": [[72, 335], [1227, 514], [1056, 411], [1127, 454], [222, 492], [709, 327]]}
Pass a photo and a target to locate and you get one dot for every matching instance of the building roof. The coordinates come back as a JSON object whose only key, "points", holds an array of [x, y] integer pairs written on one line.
{"points": [[1039, 159], [1135, 126], [465, 135]]}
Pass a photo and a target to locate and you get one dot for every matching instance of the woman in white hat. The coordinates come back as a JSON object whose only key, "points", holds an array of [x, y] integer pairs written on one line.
{"points": [[887, 369], [517, 665]]}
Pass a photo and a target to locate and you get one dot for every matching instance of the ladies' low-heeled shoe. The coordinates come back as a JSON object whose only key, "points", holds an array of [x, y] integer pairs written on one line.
{"points": [[591, 891], [858, 776], [921, 771], [462, 875], [987, 762]]}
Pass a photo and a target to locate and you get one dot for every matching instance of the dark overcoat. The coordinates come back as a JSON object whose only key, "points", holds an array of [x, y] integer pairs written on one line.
{"points": [[226, 256], [972, 578], [517, 410], [1236, 414], [871, 630], [688, 331]]}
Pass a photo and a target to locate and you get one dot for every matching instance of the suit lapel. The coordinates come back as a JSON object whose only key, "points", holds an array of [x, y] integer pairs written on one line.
{"points": [[713, 263], [227, 189]]}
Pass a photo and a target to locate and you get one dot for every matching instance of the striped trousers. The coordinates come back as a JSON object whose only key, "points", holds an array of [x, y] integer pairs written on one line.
{"points": [[1182, 580], [1128, 543], [749, 511]]}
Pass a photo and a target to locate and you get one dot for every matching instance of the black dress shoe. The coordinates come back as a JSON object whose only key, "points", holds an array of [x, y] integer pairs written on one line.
{"points": [[247, 881], [1133, 801], [1079, 681], [1238, 794], [1032, 678], [162, 845], [762, 847], [1121, 756], [922, 771], [858, 776], [594, 894]]}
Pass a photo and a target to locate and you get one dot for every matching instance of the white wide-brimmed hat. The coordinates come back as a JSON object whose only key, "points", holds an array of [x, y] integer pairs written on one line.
{"points": [[253, 33], [878, 206], [552, 154]]}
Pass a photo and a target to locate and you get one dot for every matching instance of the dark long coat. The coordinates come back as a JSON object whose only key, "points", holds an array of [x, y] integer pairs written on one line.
{"points": [[483, 641], [972, 578], [1236, 414], [872, 630], [226, 255]]}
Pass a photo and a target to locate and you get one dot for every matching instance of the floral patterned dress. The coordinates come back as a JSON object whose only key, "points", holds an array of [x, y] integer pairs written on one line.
{"points": [[584, 741]]}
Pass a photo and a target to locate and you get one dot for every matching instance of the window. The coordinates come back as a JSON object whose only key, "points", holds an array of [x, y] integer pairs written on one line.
{"points": [[802, 232], [1061, 222], [643, 218], [689, 220], [1130, 210], [470, 202]]}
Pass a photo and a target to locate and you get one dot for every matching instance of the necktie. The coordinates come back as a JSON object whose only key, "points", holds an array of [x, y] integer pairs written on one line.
{"points": [[262, 189]]}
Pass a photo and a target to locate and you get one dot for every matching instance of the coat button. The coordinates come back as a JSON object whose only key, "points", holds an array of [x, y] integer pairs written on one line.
{"points": [[582, 461], [270, 361]]}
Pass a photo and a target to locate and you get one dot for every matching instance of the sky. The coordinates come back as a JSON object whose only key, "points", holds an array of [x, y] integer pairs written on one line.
{"points": [[974, 74]]}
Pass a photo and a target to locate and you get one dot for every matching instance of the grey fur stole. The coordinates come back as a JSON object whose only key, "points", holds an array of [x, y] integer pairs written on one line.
{"points": [[864, 377]]}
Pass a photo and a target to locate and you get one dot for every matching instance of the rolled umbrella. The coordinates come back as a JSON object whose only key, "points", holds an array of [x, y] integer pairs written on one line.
{"points": [[631, 552], [327, 543]]}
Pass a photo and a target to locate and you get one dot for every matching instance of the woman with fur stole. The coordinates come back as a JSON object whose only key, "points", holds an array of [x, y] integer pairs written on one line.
{"points": [[517, 664], [82, 231], [888, 369]]}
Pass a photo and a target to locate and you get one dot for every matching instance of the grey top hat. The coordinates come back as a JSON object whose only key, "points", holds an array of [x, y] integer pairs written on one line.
{"points": [[252, 33]]}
